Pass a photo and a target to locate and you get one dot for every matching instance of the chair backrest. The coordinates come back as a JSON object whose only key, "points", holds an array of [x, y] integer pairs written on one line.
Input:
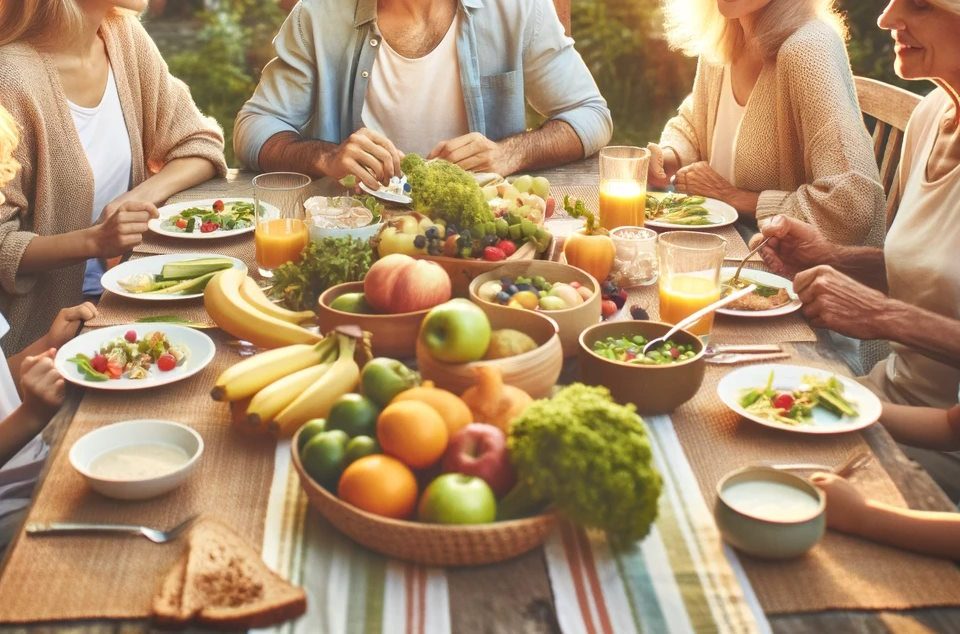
{"points": [[563, 10], [887, 108]]}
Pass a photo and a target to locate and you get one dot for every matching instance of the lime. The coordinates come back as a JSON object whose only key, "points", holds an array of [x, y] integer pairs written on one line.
{"points": [[310, 429], [361, 446], [354, 414], [323, 457]]}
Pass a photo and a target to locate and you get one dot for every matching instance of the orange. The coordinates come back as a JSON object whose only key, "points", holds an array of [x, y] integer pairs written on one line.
{"points": [[413, 432], [451, 407], [381, 485]]}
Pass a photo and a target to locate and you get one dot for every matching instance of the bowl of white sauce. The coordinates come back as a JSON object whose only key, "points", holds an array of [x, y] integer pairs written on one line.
{"points": [[769, 513], [137, 459]]}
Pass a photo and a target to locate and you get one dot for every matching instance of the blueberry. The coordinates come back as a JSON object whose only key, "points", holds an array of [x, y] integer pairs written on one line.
{"points": [[524, 287], [503, 297], [513, 289], [420, 242], [506, 281], [433, 232]]}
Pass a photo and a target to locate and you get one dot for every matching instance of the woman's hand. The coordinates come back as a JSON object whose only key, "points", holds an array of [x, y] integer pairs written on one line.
{"points": [[42, 386], [663, 165], [67, 322], [839, 302], [702, 180], [794, 246], [121, 227], [846, 507]]}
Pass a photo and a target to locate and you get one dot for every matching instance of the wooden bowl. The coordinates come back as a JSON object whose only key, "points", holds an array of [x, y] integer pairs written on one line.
{"points": [[654, 389], [393, 335], [534, 372], [422, 543], [462, 271], [572, 321]]}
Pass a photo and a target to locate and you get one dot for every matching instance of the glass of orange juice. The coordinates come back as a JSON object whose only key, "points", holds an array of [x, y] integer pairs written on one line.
{"points": [[690, 264], [623, 186], [281, 230]]}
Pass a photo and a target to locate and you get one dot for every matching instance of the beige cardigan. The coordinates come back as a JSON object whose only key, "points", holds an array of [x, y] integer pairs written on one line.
{"points": [[53, 193], [802, 142]]}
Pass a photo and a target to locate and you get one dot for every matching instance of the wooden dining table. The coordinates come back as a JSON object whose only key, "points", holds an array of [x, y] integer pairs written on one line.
{"points": [[521, 589]]}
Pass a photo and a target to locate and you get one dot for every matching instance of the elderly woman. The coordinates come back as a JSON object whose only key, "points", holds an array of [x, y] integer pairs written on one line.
{"points": [[107, 134], [772, 125]]}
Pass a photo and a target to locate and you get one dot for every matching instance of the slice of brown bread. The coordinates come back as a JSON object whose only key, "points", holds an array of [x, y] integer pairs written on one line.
{"points": [[167, 609], [226, 585]]}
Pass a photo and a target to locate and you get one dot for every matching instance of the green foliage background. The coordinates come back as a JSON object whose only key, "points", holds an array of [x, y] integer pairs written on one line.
{"points": [[621, 41]]}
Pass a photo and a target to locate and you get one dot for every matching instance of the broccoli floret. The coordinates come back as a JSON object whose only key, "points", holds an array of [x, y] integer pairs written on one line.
{"points": [[442, 190], [589, 458]]}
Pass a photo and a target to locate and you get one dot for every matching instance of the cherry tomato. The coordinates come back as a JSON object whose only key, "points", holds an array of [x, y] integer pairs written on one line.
{"points": [[783, 401], [99, 363], [166, 362], [509, 247], [181, 223], [607, 308], [130, 336], [493, 254], [674, 352], [207, 227], [218, 206]]}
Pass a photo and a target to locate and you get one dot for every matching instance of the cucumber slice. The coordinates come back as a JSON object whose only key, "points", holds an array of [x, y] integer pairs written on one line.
{"points": [[186, 287], [191, 269]]}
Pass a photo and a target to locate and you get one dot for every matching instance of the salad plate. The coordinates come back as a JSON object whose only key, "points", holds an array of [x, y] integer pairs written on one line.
{"points": [[396, 191], [114, 279], [719, 214], [773, 381], [238, 211], [191, 351], [767, 300]]}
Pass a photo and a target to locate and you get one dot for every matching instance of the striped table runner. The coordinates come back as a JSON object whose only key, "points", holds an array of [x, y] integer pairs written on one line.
{"points": [[679, 579]]}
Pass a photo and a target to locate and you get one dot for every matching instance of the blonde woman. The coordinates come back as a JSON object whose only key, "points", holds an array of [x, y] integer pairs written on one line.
{"points": [[107, 133], [772, 125]]}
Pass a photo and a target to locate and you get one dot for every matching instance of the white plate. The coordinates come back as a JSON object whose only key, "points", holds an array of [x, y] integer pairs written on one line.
{"points": [[767, 279], [721, 215], [156, 224], [199, 345], [789, 377], [152, 266], [386, 196]]}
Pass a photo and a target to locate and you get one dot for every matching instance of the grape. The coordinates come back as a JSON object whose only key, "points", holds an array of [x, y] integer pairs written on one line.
{"points": [[420, 242], [540, 187], [432, 232], [523, 183], [506, 281]]}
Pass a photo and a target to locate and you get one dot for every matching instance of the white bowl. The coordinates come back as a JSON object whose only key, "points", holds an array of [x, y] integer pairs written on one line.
{"points": [[136, 432]]}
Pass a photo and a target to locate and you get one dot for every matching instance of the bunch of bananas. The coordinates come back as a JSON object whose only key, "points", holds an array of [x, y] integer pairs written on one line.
{"points": [[240, 307], [292, 384]]}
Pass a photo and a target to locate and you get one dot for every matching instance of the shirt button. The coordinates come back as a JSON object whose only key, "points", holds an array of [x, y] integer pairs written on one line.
{"points": [[364, 74], [373, 42]]}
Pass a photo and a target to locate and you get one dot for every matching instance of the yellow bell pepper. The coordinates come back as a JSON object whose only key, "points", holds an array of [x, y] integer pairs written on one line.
{"points": [[591, 253]]}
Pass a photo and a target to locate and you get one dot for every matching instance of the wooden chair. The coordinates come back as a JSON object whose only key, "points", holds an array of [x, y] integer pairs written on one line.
{"points": [[886, 110]]}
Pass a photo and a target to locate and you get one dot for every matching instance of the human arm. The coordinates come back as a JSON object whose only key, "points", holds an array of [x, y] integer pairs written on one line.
{"points": [[702, 180], [43, 390], [925, 427], [63, 328], [685, 133], [928, 532]]}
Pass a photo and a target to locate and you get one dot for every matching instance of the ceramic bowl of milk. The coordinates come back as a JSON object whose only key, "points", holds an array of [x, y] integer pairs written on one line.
{"points": [[137, 459], [768, 513]]}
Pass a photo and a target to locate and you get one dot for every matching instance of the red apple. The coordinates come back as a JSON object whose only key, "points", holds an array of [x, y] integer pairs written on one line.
{"points": [[398, 283], [480, 450]]}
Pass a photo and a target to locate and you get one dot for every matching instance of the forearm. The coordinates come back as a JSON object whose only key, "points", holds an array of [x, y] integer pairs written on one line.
{"points": [[932, 334], [287, 151], [553, 143], [925, 427], [53, 252], [176, 176], [927, 532], [864, 264], [17, 429]]}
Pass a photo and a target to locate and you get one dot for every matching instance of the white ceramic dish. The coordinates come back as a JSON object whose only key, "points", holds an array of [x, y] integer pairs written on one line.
{"points": [[87, 449], [156, 224], [767, 279], [386, 195], [152, 266], [200, 346], [721, 215], [789, 377]]}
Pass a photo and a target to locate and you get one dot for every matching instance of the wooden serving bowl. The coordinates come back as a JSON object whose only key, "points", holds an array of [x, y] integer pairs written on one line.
{"points": [[654, 389], [422, 543], [393, 334], [571, 321], [535, 372], [462, 271]]}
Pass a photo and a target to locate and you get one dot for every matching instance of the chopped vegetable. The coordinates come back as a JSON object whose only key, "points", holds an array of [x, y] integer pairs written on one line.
{"points": [[796, 407], [630, 350], [323, 263], [678, 209], [442, 190], [130, 358], [85, 368]]}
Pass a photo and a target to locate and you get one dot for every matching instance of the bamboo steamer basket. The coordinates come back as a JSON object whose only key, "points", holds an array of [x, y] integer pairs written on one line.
{"points": [[422, 543]]}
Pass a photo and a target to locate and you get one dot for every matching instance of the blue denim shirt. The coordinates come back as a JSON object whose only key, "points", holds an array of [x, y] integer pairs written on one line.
{"points": [[510, 52]]}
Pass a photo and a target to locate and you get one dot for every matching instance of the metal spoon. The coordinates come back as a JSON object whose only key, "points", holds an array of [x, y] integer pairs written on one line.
{"points": [[700, 314], [734, 282]]}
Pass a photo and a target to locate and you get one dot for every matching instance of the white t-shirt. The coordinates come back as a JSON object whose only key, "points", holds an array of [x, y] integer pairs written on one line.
{"points": [[417, 103], [106, 142], [723, 148], [921, 255]]}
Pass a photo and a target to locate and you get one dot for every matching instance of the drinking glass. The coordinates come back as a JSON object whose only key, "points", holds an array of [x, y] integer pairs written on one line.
{"points": [[635, 263], [690, 264], [623, 185], [281, 231]]}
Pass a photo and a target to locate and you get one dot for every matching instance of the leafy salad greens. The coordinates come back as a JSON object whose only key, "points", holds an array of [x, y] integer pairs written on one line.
{"points": [[796, 407]]}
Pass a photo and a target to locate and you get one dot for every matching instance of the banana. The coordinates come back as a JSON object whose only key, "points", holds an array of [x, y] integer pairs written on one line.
{"points": [[222, 300], [275, 397], [246, 378], [250, 291], [315, 401]]}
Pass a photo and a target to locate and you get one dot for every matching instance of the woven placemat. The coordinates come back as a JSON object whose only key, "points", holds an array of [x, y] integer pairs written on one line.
{"points": [[240, 247], [839, 573], [71, 578], [115, 310], [590, 195]]}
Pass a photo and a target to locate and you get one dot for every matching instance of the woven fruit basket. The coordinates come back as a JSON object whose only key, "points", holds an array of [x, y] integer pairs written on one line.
{"points": [[422, 543]]}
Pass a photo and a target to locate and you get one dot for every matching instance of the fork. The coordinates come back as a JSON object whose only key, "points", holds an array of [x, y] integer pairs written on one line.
{"points": [[732, 283], [155, 535], [847, 468]]}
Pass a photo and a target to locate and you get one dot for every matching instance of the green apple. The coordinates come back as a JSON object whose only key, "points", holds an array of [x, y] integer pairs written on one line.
{"points": [[457, 331], [352, 303], [382, 378], [454, 498]]}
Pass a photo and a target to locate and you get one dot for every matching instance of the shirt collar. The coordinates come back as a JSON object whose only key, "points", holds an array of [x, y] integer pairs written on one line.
{"points": [[367, 10]]}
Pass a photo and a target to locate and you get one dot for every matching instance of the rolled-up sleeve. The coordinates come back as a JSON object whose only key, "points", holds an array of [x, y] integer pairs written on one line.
{"points": [[285, 97], [558, 83]]}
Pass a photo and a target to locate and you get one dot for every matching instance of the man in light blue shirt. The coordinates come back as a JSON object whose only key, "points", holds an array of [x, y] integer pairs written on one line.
{"points": [[350, 75]]}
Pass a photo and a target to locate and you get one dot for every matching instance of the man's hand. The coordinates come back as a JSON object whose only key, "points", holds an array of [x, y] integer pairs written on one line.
{"points": [[65, 324], [663, 165], [846, 507], [121, 227], [838, 302], [368, 155], [41, 384], [794, 246], [702, 180], [474, 153]]}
